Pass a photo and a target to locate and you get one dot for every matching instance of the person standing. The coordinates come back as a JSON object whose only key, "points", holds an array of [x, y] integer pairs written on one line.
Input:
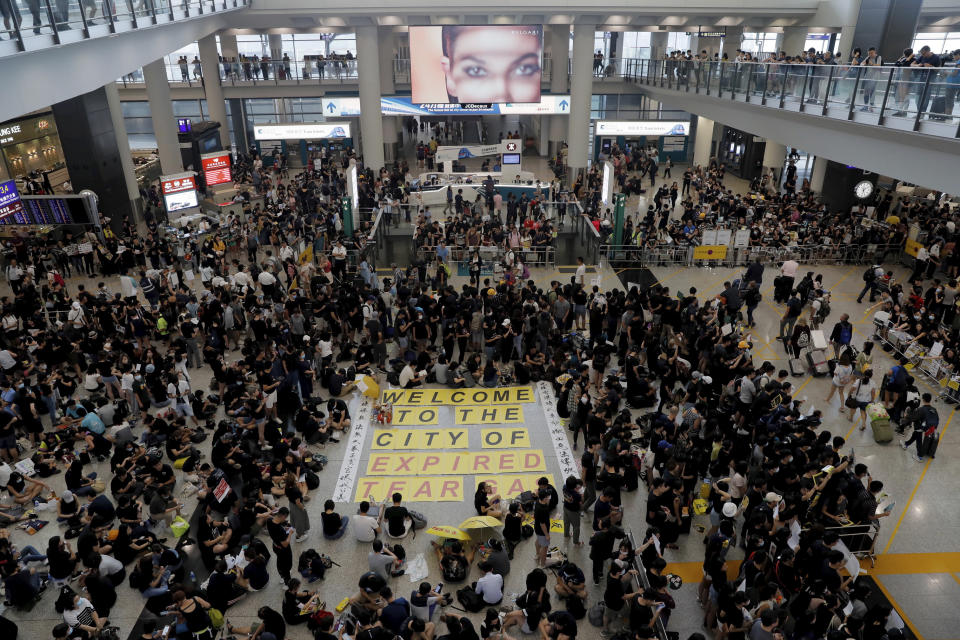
{"points": [[281, 534]]}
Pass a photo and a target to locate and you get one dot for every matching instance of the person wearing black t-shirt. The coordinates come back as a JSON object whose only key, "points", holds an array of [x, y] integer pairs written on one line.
{"points": [[397, 517], [281, 533], [541, 525]]}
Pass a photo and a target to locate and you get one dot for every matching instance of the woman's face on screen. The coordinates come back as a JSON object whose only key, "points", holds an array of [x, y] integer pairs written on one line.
{"points": [[494, 64]]}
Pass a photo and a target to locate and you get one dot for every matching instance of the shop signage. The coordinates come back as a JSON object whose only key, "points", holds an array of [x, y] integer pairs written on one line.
{"points": [[216, 168], [178, 183], [28, 129]]}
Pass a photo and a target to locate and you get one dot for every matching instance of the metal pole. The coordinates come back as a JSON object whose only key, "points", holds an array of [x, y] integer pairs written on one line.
{"points": [[886, 94], [53, 21], [922, 97], [853, 96], [826, 94]]}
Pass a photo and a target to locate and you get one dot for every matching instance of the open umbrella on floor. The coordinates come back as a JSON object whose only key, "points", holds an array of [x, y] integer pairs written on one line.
{"points": [[480, 522], [446, 531]]}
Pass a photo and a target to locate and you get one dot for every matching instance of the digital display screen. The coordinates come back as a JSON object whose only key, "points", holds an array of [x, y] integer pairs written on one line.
{"points": [[304, 131], [48, 210], [511, 158], [180, 201], [483, 64], [210, 144], [216, 168], [184, 125]]}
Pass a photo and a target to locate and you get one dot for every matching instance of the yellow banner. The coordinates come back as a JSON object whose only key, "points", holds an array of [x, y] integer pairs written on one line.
{"points": [[449, 463], [509, 487], [489, 414], [410, 439], [410, 416], [458, 397], [506, 438], [427, 489], [912, 247], [710, 252]]}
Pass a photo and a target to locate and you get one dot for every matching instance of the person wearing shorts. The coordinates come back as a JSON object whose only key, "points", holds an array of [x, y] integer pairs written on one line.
{"points": [[541, 525]]}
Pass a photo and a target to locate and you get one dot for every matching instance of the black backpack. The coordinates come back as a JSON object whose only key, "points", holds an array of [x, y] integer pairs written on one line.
{"points": [[869, 275], [576, 608], [471, 600]]}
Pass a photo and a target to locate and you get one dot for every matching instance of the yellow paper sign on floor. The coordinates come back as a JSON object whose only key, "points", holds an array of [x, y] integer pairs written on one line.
{"points": [[412, 439], [458, 397], [489, 414], [414, 415], [556, 526], [505, 438], [511, 486], [423, 489], [448, 463]]}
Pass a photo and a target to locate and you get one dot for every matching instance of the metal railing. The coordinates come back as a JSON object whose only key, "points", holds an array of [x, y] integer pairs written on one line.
{"points": [[460, 257], [661, 255], [905, 98], [247, 71], [29, 25]]}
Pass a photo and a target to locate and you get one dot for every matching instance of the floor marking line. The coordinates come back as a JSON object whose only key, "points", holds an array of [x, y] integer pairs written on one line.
{"points": [[899, 609], [906, 507]]}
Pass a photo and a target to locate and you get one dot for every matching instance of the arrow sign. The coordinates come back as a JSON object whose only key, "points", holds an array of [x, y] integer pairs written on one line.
{"points": [[331, 106], [563, 105]]}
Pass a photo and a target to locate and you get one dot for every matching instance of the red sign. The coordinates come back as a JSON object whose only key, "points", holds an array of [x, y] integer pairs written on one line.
{"points": [[177, 185], [222, 490], [216, 169], [511, 146]]}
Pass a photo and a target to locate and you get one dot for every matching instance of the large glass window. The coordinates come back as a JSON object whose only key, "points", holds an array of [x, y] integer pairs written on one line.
{"points": [[939, 43], [678, 41], [759, 44], [818, 41], [636, 44], [139, 123]]}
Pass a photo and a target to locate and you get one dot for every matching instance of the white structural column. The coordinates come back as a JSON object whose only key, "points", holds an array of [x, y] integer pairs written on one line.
{"points": [[210, 64], [559, 42], [818, 174], [581, 90], [845, 42], [703, 142], [658, 45], [731, 42], [774, 154], [119, 129], [275, 40], [391, 124], [794, 39], [161, 112], [228, 46], [368, 72]]}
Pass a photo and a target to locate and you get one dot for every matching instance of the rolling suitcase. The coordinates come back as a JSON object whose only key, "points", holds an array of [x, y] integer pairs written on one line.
{"points": [[929, 444], [938, 108], [882, 431], [818, 363], [796, 367]]}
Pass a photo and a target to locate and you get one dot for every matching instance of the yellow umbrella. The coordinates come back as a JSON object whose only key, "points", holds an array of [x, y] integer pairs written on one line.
{"points": [[480, 522], [446, 531]]}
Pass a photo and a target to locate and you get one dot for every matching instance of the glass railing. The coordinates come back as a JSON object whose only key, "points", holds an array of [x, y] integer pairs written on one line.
{"points": [[919, 99], [29, 25]]}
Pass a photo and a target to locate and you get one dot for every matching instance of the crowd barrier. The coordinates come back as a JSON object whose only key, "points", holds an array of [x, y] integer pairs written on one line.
{"points": [[665, 255]]}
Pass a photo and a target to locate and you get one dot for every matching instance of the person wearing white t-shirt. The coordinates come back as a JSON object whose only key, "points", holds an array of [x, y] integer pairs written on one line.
{"points": [[581, 271], [490, 584], [339, 267], [364, 526]]}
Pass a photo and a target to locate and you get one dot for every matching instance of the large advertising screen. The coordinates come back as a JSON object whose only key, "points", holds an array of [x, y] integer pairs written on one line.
{"points": [[302, 131], [216, 168], [642, 128], [476, 64]]}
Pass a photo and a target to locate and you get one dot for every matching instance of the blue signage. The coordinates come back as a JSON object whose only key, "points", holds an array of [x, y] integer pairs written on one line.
{"points": [[9, 199]]}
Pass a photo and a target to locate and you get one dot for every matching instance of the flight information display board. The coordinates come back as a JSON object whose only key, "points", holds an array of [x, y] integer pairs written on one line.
{"points": [[48, 211]]}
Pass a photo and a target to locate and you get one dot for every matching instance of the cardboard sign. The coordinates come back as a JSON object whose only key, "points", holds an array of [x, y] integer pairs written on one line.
{"points": [[458, 397], [410, 439], [407, 416]]}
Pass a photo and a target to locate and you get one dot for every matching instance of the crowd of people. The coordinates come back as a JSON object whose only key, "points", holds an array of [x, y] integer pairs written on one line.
{"points": [[658, 395]]}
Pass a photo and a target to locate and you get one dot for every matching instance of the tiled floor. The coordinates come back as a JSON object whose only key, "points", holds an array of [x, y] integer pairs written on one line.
{"points": [[924, 520]]}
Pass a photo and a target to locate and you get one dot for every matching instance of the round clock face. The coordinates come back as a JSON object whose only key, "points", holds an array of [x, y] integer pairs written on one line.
{"points": [[863, 189]]}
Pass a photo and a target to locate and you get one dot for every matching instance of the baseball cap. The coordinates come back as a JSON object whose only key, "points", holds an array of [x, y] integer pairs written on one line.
{"points": [[67, 496], [743, 344], [772, 497], [729, 510]]}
